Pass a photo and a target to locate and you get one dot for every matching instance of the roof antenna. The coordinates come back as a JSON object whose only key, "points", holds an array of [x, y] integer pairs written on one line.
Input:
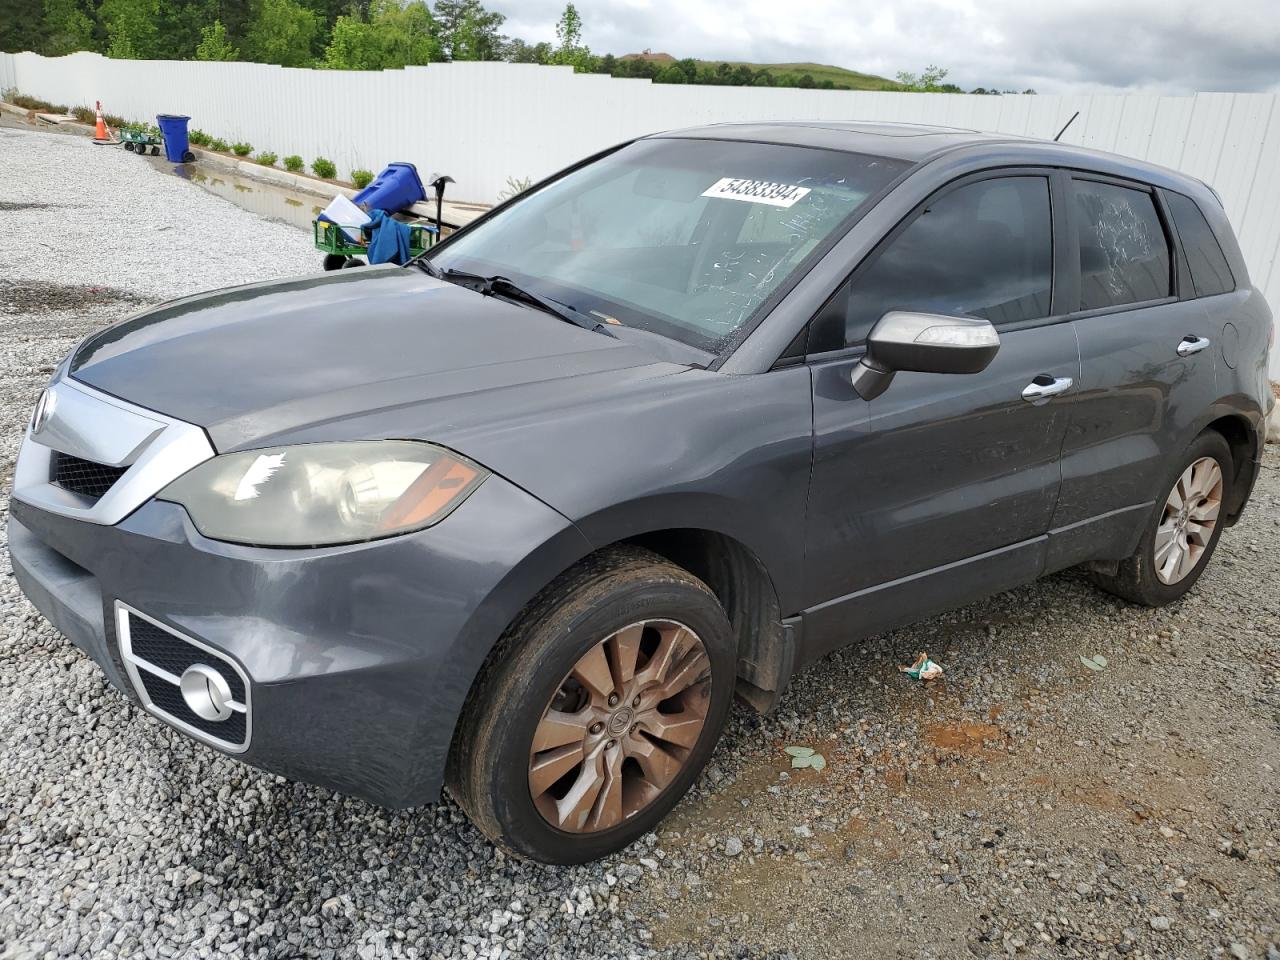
{"points": [[1065, 125]]}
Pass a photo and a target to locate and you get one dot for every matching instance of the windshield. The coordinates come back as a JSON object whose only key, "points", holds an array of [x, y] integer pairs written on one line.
{"points": [[684, 238]]}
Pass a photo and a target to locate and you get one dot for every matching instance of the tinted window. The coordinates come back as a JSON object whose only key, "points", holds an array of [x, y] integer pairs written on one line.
{"points": [[1124, 257], [982, 250], [1209, 270]]}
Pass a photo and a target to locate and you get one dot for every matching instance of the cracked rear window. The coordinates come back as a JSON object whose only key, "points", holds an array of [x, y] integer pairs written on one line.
{"points": [[684, 238]]}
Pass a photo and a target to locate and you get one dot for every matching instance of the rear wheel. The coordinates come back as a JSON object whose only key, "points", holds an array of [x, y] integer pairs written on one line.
{"points": [[601, 706], [1182, 532]]}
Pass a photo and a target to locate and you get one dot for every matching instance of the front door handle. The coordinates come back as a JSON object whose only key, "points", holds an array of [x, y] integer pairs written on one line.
{"points": [[1044, 387], [1191, 344]]}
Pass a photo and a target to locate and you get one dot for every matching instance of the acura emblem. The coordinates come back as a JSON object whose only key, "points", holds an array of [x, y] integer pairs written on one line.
{"points": [[44, 410]]}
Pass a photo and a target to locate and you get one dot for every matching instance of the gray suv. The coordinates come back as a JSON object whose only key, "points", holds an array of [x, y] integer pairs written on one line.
{"points": [[523, 516]]}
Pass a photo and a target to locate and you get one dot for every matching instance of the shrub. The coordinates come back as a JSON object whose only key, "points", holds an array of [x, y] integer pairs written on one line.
{"points": [[219, 145], [242, 149], [32, 103], [361, 178], [324, 169], [84, 114], [112, 120], [199, 138], [293, 163], [266, 158], [515, 187]]}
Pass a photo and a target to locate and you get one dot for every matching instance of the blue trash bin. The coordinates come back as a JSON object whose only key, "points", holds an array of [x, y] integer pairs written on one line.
{"points": [[395, 188], [173, 128]]}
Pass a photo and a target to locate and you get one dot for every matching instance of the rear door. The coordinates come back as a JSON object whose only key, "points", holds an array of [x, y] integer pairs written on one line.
{"points": [[941, 488], [1146, 363]]}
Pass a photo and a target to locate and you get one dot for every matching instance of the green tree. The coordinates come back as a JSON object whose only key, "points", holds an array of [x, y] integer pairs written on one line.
{"points": [[18, 31], [67, 28], [133, 31], [671, 74], [928, 81], [467, 31], [570, 50], [235, 16], [214, 44], [280, 31], [517, 51], [353, 45], [393, 37]]}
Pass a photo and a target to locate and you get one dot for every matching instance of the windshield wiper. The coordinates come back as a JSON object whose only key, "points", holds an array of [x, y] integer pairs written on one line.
{"points": [[506, 287], [432, 270]]}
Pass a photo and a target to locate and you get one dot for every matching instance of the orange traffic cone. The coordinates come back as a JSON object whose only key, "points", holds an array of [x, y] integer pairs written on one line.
{"points": [[100, 128]]}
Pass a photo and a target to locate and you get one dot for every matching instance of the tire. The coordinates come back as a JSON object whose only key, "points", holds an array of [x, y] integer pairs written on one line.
{"points": [[353, 262], [188, 157], [334, 261], [1139, 577], [129, 146], [623, 599]]}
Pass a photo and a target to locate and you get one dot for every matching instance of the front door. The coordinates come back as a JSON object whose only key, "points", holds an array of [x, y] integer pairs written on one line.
{"points": [[942, 488]]}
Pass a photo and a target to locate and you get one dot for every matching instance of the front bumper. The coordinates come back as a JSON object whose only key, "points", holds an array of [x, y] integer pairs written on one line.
{"points": [[358, 659]]}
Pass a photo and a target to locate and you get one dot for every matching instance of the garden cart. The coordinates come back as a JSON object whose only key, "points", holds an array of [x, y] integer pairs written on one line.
{"points": [[341, 251], [137, 140]]}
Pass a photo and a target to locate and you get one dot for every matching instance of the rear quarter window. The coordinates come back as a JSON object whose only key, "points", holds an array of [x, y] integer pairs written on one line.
{"points": [[1210, 273]]}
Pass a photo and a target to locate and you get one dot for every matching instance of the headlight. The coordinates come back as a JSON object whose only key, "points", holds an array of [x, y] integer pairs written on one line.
{"points": [[319, 494]]}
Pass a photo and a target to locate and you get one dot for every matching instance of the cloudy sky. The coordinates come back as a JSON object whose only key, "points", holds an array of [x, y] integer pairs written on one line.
{"points": [[1055, 46]]}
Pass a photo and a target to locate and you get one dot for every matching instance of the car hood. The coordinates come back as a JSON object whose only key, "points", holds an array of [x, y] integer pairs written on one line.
{"points": [[255, 362]]}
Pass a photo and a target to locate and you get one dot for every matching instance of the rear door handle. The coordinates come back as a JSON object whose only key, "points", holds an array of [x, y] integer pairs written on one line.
{"points": [[1191, 344], [1045, 387]]}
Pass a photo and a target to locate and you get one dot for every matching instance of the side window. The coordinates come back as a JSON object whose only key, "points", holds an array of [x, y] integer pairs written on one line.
{"points": [[983, 250], [1209, 271], [1124, 256]]}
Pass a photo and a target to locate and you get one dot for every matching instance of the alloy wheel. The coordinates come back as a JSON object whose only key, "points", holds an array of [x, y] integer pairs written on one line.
{"points": [[1189, 518], [620, 727]]}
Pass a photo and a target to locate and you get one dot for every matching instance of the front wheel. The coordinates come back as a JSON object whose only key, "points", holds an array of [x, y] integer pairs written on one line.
{"points": [[1182, 532], [598, 710]]}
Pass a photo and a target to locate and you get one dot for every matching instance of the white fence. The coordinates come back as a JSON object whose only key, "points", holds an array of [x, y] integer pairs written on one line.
{"points": [[486, 122]]}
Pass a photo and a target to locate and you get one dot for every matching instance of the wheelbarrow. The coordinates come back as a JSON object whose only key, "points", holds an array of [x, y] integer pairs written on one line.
{"points": [[341, 251], [137, 141]]}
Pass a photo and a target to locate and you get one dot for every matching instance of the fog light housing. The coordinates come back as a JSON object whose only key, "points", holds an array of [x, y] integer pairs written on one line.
{"points": [[206, 692]]}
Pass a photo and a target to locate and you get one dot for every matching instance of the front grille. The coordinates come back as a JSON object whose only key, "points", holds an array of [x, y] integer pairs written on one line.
{"points": [[84, 477], [156, 658]]}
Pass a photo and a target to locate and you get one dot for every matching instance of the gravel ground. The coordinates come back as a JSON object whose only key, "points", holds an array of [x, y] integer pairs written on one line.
{"points": [[1022, 805]]}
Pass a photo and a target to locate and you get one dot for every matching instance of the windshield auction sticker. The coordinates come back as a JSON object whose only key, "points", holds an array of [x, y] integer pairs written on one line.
{"points": [[756, 191]]}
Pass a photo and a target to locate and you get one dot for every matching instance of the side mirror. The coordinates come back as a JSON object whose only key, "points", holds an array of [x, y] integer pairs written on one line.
{"points": [[922, 343]]}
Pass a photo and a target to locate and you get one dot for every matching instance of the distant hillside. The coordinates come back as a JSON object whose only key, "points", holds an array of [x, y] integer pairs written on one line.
{"points": [[841, 77], [650, 56]]}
